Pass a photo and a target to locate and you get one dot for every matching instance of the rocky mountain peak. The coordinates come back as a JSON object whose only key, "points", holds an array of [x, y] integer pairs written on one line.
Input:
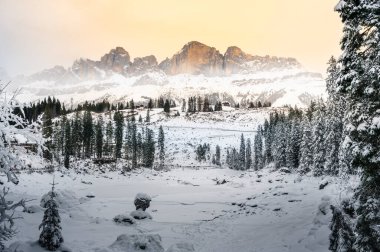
{"points": [[195, 58], [117, 60]]}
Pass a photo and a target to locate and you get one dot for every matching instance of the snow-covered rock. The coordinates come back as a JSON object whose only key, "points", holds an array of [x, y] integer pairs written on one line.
{"points": [[142, 201], [137, 243], [140, 215], [124, 219]]}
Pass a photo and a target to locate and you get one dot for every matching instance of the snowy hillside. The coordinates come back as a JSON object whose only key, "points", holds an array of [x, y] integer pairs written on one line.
{"points": [[285, 87]]}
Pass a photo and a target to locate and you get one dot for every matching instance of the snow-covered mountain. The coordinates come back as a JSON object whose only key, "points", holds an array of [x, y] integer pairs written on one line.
{"points": [[197, 69]]}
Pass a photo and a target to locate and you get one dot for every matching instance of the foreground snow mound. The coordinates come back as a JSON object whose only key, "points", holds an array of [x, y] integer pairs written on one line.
{"points": [[124, 219], [181, 247], [31, 246], [140, 215], [137, 243]]}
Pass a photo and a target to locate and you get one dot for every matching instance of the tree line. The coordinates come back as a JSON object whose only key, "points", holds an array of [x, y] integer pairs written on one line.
{"points": [[114, 136]]}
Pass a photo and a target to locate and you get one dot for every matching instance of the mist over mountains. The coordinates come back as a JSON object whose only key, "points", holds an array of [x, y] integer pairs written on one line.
{"points": [[197, 69]]}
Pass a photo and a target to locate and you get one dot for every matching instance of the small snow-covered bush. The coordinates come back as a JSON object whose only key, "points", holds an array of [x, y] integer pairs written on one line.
{"points": [[124, 219], [140, 215], [181, 247], [138, 243], [142, 201]]}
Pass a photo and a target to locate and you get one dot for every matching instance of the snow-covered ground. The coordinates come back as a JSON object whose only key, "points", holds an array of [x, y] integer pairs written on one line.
{"points": [[252, 211], [213, 208]]}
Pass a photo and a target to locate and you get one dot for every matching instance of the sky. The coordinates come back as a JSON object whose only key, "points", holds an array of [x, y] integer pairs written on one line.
{"points": [[38, 34]]}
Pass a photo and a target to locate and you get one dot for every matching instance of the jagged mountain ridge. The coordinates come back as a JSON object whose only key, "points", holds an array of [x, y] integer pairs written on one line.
{"points": [[196, 69], [194, 58]]}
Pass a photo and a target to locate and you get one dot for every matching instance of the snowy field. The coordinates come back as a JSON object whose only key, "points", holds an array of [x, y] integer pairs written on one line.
{"points": [[253, 211], [212, 208]]}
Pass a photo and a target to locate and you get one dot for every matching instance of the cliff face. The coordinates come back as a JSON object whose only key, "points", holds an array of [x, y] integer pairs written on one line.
{"points": [[197, 58], [117, 60], [234, 60], [194, 58]]}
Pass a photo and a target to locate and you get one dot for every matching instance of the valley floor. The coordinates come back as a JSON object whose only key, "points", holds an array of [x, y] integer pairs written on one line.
{"points": [[252, 211]]}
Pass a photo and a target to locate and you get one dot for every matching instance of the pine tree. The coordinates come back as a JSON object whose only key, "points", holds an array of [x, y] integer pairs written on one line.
{"points": [[77, 134], [248, 155], [358, 82], [167, 106], [268, 139], [279, 154], [149, 148], [161, 146], [293, 145], [68, 144], [119, 128], [217, 155], [47, 132], [133, 133], [99, 137], [147, 118], [306, 149], [109, 138], [51, 237], [242, 153], [88, 133], [319, 149]]}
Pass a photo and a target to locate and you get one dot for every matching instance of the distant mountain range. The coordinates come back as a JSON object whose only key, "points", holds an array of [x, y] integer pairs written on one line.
{"points": [[194, 58], [197, 69]]}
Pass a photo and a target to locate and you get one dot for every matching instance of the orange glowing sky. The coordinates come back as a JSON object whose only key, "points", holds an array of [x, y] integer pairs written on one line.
{"points": [[36, 34]]}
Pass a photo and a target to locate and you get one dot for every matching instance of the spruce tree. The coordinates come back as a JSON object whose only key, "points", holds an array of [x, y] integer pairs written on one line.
{"points": [[358, 81], [149, 148], [99, 137], [161, 146], [279, 154], [306, 149], [88, 133], [109, 138], [147, 118], [77, 134], [319, 149], [119, 128], [242, 153], [293, 144], [68, 144], [51, 237], [47, 132], [217, 155], [248, 155]]}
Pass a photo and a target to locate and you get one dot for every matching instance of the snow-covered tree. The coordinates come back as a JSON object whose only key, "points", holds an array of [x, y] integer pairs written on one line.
{"points": [[217, 155], [294, 144], [242, 152], [279, 152], [319, 148], [306, 149], [12, 126], [248, 155], [161, 147], [119, 128], [51, 237], [358, 81]]}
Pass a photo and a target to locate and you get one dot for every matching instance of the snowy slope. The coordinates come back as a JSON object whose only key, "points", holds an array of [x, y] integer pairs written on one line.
{"points": [[281, 87]]}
